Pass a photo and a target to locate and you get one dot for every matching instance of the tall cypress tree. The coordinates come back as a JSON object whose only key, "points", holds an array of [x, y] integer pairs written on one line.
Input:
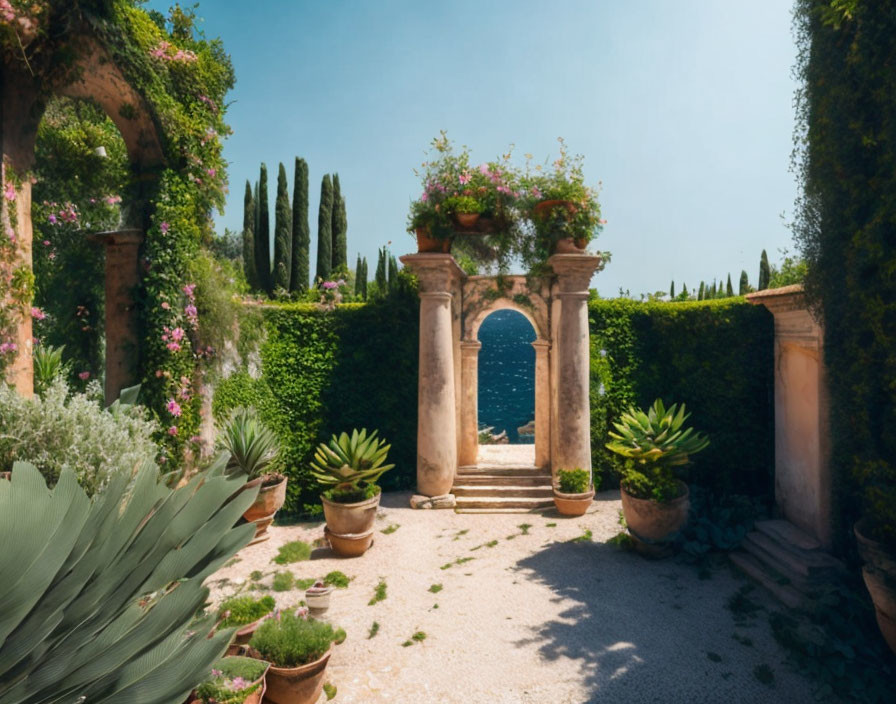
{"points": [[729, 289], [672, 291], [263, 234], [765, 272], [364, 279], [393, 273], [325, 230], [744, 287], [282, 233], [684, 291], [301, 232], [340, 229], [382, 285], [249, 238], [701, 291], [359, 271]]}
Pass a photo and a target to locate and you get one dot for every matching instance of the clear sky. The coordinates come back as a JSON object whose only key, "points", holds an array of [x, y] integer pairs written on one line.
{"points": [[682, 108]]}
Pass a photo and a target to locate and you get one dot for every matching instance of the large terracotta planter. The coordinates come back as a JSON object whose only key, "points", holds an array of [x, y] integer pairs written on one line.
{"points": [[879, 574], [427, 243], [243, 636], [297, 685], [270, 499], [653, 522], [466, 220], [350, 526], [255, 698], [349, 544], [573, 504], [568, 245]]}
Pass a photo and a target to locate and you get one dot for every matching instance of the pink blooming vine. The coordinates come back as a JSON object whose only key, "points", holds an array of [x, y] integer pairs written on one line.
{"points": [[174, 408], [9, 192]]}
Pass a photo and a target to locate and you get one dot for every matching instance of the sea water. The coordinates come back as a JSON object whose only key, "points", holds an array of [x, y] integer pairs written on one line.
{"points": [[507, 374]]}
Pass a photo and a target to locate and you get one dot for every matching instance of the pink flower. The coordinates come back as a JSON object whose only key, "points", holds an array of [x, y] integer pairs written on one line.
{"points": [[483, 169], [52, 256], [37, 313], [536, 191], [164, 228], [211, 172], [7, 347], [172, 430], [189, 289], [112, 200], [177, 334], [10, 191], [174, 408], [84, 376], [173, 346], [52, 219], [166, 305], [238, 684], [424, 197], [46, 243], [464, 178], [196, 440]]}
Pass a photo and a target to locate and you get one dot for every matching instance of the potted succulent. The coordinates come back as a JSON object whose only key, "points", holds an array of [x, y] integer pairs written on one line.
{"points": [[245, 613], [317, 596], [298, 648], [656, 446], [349, 466], [573, 493], [233, 680], [254, 450]]}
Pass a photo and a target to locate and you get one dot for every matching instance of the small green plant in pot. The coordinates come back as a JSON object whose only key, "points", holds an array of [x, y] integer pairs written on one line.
{"points": [[255, 451], [244, 613], [298, 648], [349, 467], [573, 493], [234, 680], [657, 446]]}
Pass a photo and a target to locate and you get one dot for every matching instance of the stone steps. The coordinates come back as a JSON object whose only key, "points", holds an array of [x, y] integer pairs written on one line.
{"points": [[493, 479], [501, 488], [501, 470], [785, 593]]}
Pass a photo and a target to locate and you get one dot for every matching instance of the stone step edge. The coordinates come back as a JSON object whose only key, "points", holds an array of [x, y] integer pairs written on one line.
{"points": [[801, 582], [474, 468], [784, 593], [811, 566], [786, 533], [540, 509]]}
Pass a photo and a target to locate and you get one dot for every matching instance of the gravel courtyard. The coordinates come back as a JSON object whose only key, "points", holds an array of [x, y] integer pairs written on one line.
{"points": [[534, 617]]}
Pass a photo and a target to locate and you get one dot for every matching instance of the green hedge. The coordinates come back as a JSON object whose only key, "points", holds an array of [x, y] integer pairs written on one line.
{"points": [[325, 372], [714, 356]]}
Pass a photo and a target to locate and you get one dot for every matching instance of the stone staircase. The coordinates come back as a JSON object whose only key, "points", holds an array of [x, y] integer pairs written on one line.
{"points": [[502, 488], [789, 563]]}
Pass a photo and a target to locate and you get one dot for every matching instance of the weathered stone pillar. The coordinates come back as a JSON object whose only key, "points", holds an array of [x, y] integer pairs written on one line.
{"points": [[439, 277], [469, 403], [572, 424], [802, 450], [20, 370], [122, 278], [542, 403]]}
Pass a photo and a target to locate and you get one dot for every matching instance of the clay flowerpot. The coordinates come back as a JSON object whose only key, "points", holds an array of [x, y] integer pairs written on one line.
{"points": [[568, 245], [255, 698], [318, 598], [543, 209], [349, 544], [879, 574], [466, 220], [427, 243], [350, 518], [297, 685], [573, 504], [654, 522], [243, 636], [270, 499]]}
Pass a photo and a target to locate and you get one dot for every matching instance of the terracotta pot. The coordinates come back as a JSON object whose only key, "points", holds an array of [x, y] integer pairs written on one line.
{"points": [[297, 685], [270, 499], [255, 698], [349, 544], [879, 574], [242, 637], [466, 219], [652, 521], [343, 519], [544, 208], [426, 243], [573, 504], [567, 245]]}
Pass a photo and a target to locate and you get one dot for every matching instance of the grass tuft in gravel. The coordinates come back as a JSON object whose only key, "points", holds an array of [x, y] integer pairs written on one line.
{"points": [[379, 593], [283, 581], [374, 629], [295, 551], [337, 579], [435, 588], [458, 561]]}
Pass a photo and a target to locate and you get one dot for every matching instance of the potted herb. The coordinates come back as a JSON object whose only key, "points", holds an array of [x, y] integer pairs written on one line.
{"points": [[573, 493], [254, 450], [234, 680], [349, 467], [657, 446], [464, 209], [244, 613], [298, 649]]}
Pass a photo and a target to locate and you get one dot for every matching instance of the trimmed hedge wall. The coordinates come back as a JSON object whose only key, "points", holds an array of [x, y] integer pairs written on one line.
{"points": [[714, 356]]}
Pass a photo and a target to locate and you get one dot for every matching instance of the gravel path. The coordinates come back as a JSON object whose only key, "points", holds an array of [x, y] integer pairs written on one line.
{"points": [[531, 618]]}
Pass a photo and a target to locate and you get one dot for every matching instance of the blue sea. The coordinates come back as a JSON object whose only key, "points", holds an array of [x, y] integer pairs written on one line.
{"points": [[507, 374]]}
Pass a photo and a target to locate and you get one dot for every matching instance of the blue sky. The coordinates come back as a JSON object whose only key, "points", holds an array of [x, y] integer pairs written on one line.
{"points": [[683, 110]]}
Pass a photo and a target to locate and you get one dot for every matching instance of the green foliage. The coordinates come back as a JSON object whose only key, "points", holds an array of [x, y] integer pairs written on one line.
{"points": [[844, 228], [463, 204], [714, 356], [104, 593], [325, 230], [379, 593], [250, 269], [573, 481], [718, 522], [253, 447], [62, 429], [337, 579], [293, 551], [243, 610], [292, 640], [48, 367], [301, 232], [283, 581], [339, 256], [743, 287], [764, 272], [791, 270], [263, 233], [349, 462], [330, 690], [388, 530], [282, 234], [374, 629], [435, 588], [231, 680]]}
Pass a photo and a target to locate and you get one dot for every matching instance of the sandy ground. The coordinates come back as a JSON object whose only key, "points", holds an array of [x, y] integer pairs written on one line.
{"points": [[535, 618]]}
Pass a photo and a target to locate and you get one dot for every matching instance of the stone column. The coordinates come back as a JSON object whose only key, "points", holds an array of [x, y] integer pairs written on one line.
{"points": [[20, 370], [572, 425], [122, 278], [542, 403], [438, 275], [469, 403]]}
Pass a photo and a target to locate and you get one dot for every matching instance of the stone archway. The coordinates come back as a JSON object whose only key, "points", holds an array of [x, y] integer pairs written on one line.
{"points": [[452, 307]]}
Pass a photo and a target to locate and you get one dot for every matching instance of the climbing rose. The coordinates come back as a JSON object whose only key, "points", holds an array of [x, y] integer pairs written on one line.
{"points": [[164, 228], [172, 430], [84, 376], [10, 191], [174, 407], [37, 313]]}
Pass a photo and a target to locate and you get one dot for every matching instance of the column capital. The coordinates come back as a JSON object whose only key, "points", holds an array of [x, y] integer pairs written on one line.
{"points": [[470, 346], [541, 346], [436, 272], [574, 271]]}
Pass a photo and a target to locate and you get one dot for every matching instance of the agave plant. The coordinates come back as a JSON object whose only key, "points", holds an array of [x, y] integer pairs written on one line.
{"points": [[48, 365], [346, 461], [100, 597], [656, 437], [254, 448]]}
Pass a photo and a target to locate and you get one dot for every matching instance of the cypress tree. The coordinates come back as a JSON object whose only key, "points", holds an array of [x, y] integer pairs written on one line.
{"points": [[249, 238], [672, 291], [301, 232], [701, 291], [339, 229], [282, 233], [684, 291], [325, 230], [380, 277], [359, 271], [393, 273], [712, 290], [765, 272], [729, 289], [263, 234], [744, 288], [364, 279]]}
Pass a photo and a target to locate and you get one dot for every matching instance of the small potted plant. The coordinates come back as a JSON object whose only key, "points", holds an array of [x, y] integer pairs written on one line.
{"points": [[465, 209], [349, 467], [657, 447], [573, 493], [233, 680], [317, 596], [245, 613], [298, 648], [254, 450]]}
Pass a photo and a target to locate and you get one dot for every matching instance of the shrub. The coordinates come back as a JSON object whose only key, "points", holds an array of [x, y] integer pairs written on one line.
{"points": [[253, 447], [244, 610], [63, 429], [231, 680], [573, 481], [292, 639]]}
